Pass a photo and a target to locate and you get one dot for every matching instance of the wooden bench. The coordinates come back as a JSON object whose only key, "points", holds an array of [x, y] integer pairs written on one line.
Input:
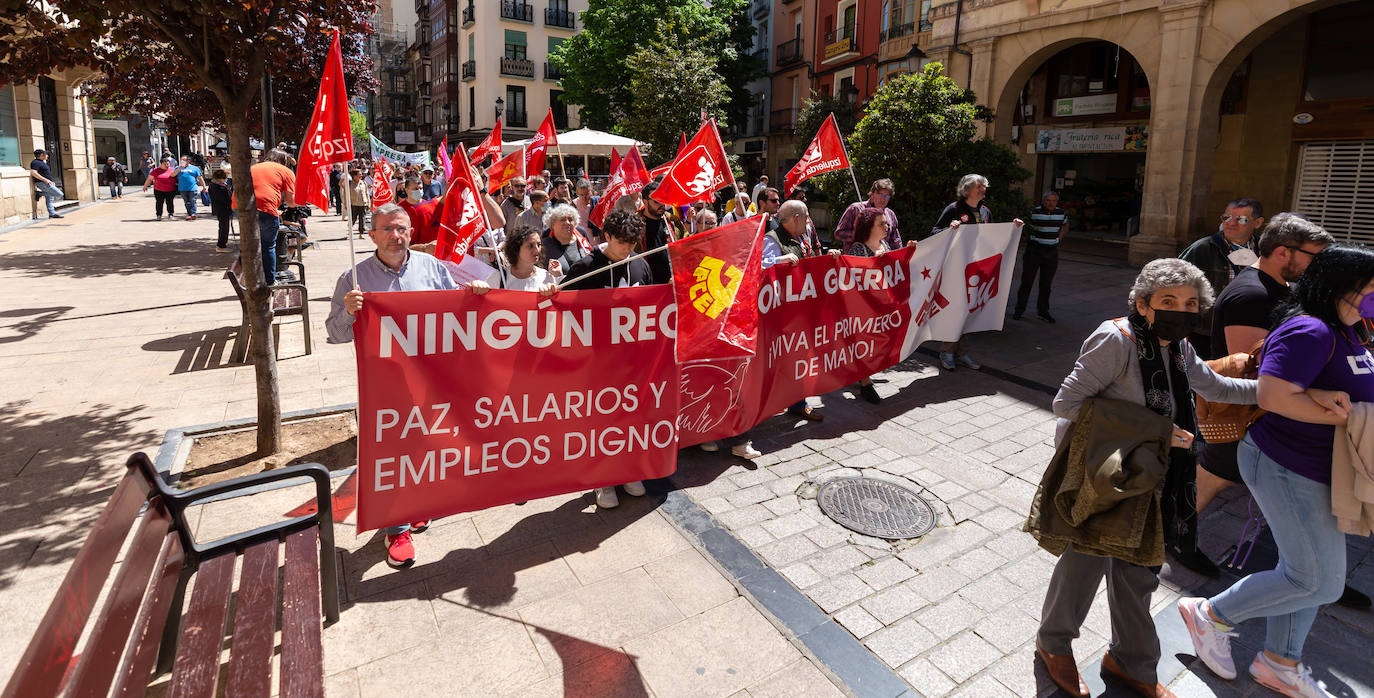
{"points": [[287, 299], [141, 629]]}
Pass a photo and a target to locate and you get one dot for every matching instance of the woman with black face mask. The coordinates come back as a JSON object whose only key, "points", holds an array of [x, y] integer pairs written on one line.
{"points": [[1141, 359], [1312, 367]]}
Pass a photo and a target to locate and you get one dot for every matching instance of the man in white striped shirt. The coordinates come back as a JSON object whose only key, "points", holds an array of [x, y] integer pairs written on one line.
{"points": [[1046, 228]]}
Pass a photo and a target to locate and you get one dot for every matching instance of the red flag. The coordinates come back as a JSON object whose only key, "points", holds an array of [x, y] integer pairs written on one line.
{"points": [[615, 160], [660, 170], [329, 139], [504, 170], [381, 183], [681, 142], [699, 172], [825, 154], [628, 178], [463, 219], [716, 281], [443, 159], [546, 136], [490, 146]]}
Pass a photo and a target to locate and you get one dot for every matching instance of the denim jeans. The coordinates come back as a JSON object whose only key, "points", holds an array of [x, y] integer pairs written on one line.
{"points": [[50, 193], [191, 198], [268, 226], [116, 189], [1311, 569]]}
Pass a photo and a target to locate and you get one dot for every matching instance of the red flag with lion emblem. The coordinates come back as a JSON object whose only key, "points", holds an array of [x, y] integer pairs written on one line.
{"points": [[716, 282], [698, 172], [463, 219]]}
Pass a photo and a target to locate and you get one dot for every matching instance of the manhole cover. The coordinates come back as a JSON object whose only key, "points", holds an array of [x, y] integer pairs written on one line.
{"points": [[876, 507]]}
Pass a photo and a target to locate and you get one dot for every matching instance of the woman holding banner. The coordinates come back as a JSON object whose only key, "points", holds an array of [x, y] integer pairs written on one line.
{"points": [[524, 254], [870, 233], [973, 188]]}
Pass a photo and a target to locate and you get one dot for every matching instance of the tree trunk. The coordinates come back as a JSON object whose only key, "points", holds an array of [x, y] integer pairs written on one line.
{"points": [[259, 299]]}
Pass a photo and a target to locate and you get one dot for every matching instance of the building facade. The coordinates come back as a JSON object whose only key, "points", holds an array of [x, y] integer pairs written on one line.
{"points": [[1150, 116], [750, 139], [52, 114], [489, 59]]}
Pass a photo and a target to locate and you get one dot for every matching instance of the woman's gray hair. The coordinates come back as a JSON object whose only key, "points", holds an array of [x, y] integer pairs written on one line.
{"points": [[1168, 272], [970, 181], [560, 212]]}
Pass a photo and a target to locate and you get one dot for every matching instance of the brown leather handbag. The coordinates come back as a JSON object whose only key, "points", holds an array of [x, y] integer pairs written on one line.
{"points": [[1221, 423]]}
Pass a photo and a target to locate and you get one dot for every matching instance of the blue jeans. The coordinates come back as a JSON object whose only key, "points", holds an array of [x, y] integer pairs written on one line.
{"points": [[191, 198], [1311, 569], [268, 226], [116, 189], [49, 193]]}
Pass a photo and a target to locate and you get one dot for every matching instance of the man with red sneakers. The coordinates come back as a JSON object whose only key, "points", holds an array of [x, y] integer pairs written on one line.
{"points": [[394, 267]]}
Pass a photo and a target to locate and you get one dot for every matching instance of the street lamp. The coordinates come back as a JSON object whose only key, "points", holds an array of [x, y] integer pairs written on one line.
{"points": [[500, 107]]}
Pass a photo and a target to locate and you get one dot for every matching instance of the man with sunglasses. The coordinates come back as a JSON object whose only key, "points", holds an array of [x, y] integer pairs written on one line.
{"points": [[878, 197], [1224, 254], [514, 203]]}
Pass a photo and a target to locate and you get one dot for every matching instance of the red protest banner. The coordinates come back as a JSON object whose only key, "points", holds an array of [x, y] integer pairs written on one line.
{"points": [[463, 219], [824, 323], [329, 138], [698, 172], [546, 136], [716, 282], [381, 183], [490, 146], [467, 402], [825, 154], [627, 178], [504, 170]]}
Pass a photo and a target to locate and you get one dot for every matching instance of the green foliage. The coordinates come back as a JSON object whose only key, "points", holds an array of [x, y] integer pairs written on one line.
{"points": [[918, 130], [357, 121], [595, 62], [659, 117]]}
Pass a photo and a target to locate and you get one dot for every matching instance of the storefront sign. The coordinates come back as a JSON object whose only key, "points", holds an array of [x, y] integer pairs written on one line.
{"points": [[1131, 139], [1083, 106]]}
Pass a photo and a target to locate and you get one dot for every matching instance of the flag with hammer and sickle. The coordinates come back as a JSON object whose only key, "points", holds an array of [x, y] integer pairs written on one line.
{"points": [[716, 282]]}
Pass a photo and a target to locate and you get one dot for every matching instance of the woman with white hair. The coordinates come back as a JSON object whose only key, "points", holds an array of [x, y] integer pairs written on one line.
{"points": [[973, 188], [562, 241], [1142, 359]]}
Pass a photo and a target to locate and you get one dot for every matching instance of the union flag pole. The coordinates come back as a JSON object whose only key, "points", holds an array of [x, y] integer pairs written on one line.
{"points": [[850, 160]]}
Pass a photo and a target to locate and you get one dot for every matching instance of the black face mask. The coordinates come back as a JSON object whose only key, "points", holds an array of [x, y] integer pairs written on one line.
{"points": [[1174, 325]]}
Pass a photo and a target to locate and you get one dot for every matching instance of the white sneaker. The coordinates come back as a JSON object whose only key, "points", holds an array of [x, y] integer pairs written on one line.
{"points": [[1211, 640], [966, 360], [606, 499], [746, 450], [1295, 681], [709, 447], [634, 489]]}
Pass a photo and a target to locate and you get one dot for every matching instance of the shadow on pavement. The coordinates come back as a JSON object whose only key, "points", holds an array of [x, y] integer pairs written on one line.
{"points": [[202, 350], [51, 487], [87, 261], [35, 320]]}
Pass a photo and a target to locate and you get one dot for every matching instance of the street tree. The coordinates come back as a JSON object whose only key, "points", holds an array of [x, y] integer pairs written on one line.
{"points": [[920, 130], [659, 117], [220, 46], [595, 62]]}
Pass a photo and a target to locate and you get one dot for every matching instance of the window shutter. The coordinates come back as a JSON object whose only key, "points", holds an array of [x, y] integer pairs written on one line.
{"points": [[1335, 188]]}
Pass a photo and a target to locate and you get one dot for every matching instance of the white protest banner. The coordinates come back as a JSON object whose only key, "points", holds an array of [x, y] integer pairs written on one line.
{"points": [[960, 282], [382, 150]]}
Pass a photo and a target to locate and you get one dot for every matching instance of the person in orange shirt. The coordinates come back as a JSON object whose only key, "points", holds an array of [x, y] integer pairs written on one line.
{"points": [[274, 186]]}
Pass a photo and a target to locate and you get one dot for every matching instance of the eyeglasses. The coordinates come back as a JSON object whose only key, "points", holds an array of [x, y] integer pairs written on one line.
{"points": [[1299, 249], [772, 200], [394, 228], [1239, 219]]}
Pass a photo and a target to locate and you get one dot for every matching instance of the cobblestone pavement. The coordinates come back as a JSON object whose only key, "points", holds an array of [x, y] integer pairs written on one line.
{"points": [[114, 328]]}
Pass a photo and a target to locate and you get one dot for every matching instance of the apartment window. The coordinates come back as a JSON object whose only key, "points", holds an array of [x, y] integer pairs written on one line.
{"points": [[440, 27], [472, 107], [452, 67], [849, 15], [560, 110], [554, 43], [472, 46], [515, 44], [9, 129], [515, 106]]}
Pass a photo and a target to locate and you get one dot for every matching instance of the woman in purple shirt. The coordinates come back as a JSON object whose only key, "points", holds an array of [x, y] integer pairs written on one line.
{"points": [[1312, 367]]}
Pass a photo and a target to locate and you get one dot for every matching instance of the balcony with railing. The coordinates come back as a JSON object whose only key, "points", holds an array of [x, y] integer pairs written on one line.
{"points": [[517, 67], [469, 70], [551, 72], [760, 8], [517, 11], [790, 52], [782, 119], [839, 45], [516, 119], [469, 15], [556, 17]]}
